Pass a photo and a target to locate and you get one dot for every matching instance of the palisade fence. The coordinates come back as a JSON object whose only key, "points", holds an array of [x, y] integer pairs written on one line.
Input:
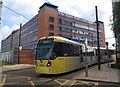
{"points": [[6, 57]]}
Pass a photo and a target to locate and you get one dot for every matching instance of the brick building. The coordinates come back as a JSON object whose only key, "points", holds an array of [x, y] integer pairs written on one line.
{"points": [[48, 22]]}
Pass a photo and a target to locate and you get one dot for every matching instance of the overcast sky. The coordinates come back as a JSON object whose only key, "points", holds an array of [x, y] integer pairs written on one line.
{"points": [[80, 8]]}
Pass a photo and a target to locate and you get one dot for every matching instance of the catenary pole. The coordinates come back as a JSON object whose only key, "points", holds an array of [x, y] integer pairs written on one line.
{"points": [[98, 45], [19, 43]]}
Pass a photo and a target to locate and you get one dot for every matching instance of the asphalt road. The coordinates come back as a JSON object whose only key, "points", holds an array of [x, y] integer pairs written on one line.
{"points": [[29, 78]]}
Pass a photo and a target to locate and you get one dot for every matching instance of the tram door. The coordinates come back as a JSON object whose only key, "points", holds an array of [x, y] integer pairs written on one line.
{"points": [[80, 54]]}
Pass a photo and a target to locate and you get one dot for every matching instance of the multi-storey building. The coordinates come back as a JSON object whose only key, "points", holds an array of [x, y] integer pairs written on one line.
{"points": [[50, 22]]}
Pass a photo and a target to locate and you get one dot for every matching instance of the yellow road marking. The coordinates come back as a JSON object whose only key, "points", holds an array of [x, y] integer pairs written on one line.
{"points": [[31, 82], [84, 82], [3, 82], [73, 82], [61, 82]]}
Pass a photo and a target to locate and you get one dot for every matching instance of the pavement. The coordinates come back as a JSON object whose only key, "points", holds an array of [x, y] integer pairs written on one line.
{"points": [[16, 67], [106, 74]]}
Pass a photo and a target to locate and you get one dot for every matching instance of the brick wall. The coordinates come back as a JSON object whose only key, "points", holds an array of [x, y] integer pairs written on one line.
{"points": [[26, 57]]}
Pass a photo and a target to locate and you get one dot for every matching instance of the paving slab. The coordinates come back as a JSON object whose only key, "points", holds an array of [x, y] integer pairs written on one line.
{"points": [[16, 67], [106, 74]]}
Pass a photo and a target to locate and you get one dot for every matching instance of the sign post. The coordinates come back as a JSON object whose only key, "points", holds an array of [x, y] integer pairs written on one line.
{"points": [[86, 63]]}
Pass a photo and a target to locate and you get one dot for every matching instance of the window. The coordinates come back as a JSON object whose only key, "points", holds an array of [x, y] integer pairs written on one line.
{"points": [[29, 40], [62, 49], [51, 34], [51, 19], [59, 20], [30, 46], [65, 22], [65, 29], [51, 27], [30, 26], [59, 28], [30, 32]]}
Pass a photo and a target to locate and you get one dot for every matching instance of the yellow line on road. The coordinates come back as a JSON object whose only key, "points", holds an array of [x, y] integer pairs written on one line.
{"points": [[31, 82], [84, 82], [73, 82], [3, 82], [61, 82]]}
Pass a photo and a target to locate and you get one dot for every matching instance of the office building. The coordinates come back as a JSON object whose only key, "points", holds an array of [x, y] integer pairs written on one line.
{"points": [[51, 22]]}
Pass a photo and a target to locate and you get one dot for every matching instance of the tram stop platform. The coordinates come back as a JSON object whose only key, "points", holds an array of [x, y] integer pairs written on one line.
{"points": [[105, 74]]}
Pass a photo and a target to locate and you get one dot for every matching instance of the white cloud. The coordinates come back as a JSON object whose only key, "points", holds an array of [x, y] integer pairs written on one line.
{"points": [[6, 30], [14, 18], [111, 41], [25, 7]]}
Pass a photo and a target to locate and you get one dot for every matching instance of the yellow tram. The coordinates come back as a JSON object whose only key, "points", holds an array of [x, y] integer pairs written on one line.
{"points": [[56, 55]]}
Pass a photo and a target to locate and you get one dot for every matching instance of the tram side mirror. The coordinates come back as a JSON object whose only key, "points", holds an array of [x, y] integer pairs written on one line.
{"points": [[54, 55]]}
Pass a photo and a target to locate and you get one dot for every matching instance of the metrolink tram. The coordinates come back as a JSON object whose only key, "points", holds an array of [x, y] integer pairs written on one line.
{"points": [[56, 55]]}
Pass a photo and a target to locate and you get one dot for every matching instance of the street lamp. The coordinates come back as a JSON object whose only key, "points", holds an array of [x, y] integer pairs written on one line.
{"points": [[86, 65], [98, 45], [107, 52], [19, 49]]}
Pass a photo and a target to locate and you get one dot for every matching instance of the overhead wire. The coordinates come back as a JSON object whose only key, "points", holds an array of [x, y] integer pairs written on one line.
{"points": [[15, 12]]}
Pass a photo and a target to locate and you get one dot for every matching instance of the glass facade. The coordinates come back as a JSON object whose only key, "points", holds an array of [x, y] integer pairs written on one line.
{"points": [[5, 46], [65, 22], [30, 46], [29, 33], [65, 29], [30, 26], [15, 45], [60, 21], [76, 18], [80, 39], [6, 42], [29, 40]]}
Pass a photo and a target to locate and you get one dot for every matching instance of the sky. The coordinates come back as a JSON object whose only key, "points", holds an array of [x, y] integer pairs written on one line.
{"points": [[81, 8]]}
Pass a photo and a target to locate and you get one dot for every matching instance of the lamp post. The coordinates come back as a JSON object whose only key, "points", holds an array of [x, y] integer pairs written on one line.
{"points": [[107, 52], [86, 64], [19, 47], [19, 50], [98, 45]]}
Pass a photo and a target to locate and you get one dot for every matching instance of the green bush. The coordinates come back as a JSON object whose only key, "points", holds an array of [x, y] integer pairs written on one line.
{"points": [[6, 63]]}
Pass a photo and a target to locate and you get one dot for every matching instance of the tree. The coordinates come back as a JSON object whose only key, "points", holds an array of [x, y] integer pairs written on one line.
{"points": [[116, 28]]}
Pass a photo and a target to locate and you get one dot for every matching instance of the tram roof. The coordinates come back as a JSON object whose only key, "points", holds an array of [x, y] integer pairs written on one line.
{"points": [[62, 39]]}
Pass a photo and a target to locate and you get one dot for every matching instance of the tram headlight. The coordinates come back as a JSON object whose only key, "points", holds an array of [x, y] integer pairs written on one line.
{"points": [[49, 63]]}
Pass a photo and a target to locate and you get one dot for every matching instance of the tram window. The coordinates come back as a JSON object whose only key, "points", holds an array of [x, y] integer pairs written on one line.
{"points": [[81, 54], [58, 49], [62, 49]]}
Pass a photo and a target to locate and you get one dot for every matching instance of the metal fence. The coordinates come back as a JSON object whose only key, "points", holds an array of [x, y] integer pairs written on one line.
{"points": [[6, 57]]}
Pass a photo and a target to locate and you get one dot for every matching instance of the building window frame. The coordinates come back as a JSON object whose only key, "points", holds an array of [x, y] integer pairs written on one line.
{"points": [[51, 19], [51, 34], [51, 27]]}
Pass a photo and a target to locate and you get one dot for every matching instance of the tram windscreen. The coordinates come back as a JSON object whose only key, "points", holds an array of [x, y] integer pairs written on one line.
{"points": [[45, 49]]}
